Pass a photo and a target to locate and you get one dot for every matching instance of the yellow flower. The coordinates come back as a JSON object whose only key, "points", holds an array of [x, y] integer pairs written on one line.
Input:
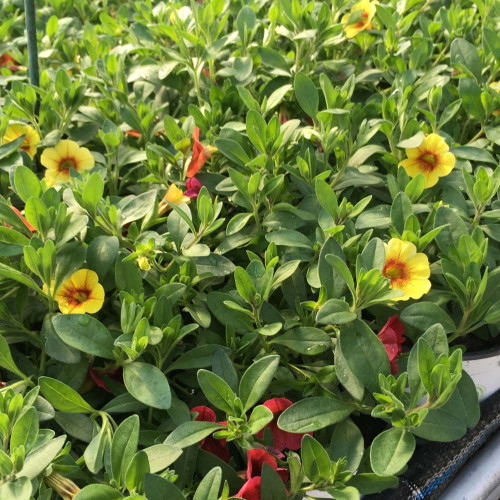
{"points": [[63, 156], [432, 158], [364, 22], [81, 293], [495, 86], [174, 196], [408, 270], [30, 141], [143, 263]]}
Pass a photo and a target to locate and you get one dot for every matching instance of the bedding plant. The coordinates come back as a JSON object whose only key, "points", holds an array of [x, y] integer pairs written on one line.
{"points": [[244, 245]]}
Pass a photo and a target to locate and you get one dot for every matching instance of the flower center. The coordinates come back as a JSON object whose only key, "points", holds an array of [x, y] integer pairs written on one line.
{"points": [[394, 270], [429, 160], [81, 296], [67, 164]]}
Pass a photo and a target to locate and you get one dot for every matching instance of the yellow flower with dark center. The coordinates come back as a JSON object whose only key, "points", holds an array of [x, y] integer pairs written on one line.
{"points": [[30, 141], [173, 196], [81, 293], [432, 159], [408, 270], [62, 157], [364, 22]]}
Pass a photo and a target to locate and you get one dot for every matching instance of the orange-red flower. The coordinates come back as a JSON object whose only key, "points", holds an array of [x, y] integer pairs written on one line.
{"points": [[8, 61], [200, 154], [25, 222]]}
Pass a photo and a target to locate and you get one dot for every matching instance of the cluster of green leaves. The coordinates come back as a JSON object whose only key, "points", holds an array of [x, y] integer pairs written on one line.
{"points": [[270, 283]]}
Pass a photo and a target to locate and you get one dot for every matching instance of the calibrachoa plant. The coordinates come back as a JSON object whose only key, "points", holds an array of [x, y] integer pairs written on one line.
{"points": [[244, 245]]}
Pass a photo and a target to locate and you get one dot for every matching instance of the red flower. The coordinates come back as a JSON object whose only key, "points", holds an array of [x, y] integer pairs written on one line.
{"points": [[283, 115], [133, 133], [116, 374], [392, 337], [257, 457], [215, 446], [281, 439], [193, 187], [200, 154], [25, 222], [5, 59], [251, 489]]}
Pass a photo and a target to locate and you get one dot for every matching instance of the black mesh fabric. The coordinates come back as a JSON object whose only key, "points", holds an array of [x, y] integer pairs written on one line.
{"points": [[434, 465]]}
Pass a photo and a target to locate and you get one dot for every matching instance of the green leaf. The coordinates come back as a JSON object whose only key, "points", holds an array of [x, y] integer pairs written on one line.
{"points": [[470, 93], [312, 414], [391, 450], [216, 390], [127, 275], [190, 433], [441, 424], [209, 486], [41, 457], [272, 486], [326, 197], [364, 354], [491, 43], [101, 254], [25, 430], [85, 333], [92, 192], [369, 483], [256, 380], [335, 312], [62, 397], [7, 148], [340, 267], [289, 238], [124, 446], [136, 471], [315, 459], [98, 492], [147, 384], [401, 209], [6, 360], [306, 94], [259, 418], [450, 235], [161, 456], [26, 183], [244, 284], [304, 340], [159, 488], [465, 55], [224, 368], [17, 489], [347, 442], [423, 315]]}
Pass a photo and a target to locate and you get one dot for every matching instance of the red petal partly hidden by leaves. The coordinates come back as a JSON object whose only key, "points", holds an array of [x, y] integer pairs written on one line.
{"points": [[215, 446], [193, 187], [200, 155], [281, 439], [257, 457], [251, 489], [392, 336]]}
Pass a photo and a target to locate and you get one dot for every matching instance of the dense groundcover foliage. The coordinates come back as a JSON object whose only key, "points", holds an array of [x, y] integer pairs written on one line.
{"points": [[244, 244]]}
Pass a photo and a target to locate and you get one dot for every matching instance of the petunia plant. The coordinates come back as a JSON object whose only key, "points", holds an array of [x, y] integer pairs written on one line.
{"points": [[244, 247]]}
